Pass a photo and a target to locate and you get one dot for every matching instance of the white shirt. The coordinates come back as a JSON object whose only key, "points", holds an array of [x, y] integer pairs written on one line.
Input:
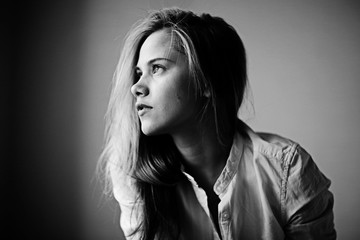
{"points": [[270, 188]]}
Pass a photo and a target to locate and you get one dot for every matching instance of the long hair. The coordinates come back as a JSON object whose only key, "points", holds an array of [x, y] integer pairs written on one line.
{"points": [[217, 63]]}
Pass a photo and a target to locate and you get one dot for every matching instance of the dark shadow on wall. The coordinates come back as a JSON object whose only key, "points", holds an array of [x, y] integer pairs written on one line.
{"points": [[44, 92]]}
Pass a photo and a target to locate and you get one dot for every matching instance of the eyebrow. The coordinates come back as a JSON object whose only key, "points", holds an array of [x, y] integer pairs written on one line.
{"points": [[156, 59]]}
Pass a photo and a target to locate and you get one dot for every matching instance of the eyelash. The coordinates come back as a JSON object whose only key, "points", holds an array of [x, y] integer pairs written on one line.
{"points": [[154, 70]]}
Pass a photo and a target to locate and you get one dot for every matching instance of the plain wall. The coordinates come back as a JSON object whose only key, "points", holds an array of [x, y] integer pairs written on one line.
{"points": [[303, 62]]}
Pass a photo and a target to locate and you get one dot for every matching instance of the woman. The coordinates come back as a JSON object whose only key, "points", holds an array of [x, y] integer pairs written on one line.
{"points": [[180, 162]]}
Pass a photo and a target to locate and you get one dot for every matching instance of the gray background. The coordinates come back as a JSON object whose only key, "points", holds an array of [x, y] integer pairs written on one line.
{"points": [[303, 61]]}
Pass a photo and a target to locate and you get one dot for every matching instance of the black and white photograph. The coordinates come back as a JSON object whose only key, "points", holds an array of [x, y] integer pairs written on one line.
{"points": [[181, 119]]}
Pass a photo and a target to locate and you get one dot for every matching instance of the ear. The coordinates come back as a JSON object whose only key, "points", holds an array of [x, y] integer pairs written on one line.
{"points": [[207, 93]]}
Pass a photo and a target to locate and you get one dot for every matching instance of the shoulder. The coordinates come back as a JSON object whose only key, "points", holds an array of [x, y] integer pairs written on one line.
{"points": [[295, 163], [125, 193], [291, 168], [287, 156], [124, 188], [274, 150]]}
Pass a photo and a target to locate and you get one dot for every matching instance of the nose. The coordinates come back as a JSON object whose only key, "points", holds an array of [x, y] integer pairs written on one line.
{"points": [[139, 89]]}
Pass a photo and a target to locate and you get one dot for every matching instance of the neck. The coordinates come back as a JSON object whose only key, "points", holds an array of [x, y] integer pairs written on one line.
{"points": [[204, 156]]}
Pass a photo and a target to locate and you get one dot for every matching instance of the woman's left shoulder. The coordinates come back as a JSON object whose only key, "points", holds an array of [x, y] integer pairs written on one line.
{"points": [[297, 171], [296, 163], [279, 151]]}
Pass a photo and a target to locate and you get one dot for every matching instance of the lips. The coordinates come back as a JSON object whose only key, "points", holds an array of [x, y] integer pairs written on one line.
{"points": [[142, 108]]}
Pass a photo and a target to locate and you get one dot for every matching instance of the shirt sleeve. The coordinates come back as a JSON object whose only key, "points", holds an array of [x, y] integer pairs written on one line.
{"points": [[130, 207], [307, 202]]}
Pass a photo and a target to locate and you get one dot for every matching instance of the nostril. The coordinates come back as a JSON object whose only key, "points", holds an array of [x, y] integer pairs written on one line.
{"points": [[139, 90], [138, 93]]}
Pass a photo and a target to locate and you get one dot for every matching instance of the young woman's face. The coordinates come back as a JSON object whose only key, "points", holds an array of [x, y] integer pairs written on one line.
{"points": [[164, 92]]}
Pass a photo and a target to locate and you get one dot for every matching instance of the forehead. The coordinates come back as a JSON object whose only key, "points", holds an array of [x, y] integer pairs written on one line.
{"points": [[159, 44]]}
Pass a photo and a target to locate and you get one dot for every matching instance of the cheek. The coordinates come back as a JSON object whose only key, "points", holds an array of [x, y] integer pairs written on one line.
{"points": [[173, 105], [184, 94], [179, 98], [177, 95], [174, 97]]}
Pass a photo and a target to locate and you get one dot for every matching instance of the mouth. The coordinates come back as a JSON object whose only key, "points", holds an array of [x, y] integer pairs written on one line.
{"points": [[142, 109]]}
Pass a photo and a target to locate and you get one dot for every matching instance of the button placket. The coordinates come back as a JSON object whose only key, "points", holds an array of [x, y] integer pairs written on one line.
{"points": [[225, 223]]}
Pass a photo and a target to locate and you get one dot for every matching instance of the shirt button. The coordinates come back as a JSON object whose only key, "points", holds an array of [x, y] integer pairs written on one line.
{"points": [[225, 216]]}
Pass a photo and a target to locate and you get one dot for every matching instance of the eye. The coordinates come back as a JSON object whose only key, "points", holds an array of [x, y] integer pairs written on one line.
{"points": [[156, 69]]}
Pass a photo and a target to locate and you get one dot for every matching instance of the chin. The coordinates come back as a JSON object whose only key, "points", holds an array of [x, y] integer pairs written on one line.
{"points": [[148, 131], [151, 130]]}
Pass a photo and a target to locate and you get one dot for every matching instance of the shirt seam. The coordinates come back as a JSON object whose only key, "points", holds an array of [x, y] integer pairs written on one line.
{"points": [[284, 180]]}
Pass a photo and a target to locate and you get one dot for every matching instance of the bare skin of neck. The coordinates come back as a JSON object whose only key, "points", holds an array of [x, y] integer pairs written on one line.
{"points": [[204, 156]]}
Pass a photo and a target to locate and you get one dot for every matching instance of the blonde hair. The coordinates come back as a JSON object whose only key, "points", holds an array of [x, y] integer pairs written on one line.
{"points": [[122, 125], [217, 63]]}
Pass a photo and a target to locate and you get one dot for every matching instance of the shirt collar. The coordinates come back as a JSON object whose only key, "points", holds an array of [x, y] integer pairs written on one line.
{"points": [[231, 165]]}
